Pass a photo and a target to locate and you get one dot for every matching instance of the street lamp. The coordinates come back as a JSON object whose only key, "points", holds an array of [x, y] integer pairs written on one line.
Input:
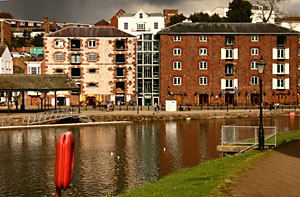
{"points": [[261, 136], [137, 101]]}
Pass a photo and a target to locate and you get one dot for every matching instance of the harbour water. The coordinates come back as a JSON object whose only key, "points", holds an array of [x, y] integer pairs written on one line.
{"points": [[112, 158]]}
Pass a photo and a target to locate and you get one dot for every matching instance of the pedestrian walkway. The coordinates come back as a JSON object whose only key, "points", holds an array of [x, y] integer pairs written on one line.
{"points": [[278, 174]]}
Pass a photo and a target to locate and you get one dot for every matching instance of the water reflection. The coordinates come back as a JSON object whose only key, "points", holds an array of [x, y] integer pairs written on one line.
{"points": [[110, 159]]}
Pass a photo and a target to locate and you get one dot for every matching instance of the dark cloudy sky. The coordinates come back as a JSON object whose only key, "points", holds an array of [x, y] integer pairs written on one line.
{"points": [[90, 11]]}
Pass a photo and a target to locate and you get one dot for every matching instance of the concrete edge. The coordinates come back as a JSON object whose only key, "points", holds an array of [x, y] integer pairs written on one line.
{"points": [[64, 125]]}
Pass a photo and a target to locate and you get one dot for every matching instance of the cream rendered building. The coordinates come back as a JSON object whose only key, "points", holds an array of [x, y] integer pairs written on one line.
{"points": [[100, 59]]}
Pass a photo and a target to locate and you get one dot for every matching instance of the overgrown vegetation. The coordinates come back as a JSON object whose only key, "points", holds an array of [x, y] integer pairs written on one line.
{"points": [[212, 178]]}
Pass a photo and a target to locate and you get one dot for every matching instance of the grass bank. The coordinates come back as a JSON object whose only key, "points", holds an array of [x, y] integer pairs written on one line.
{"points": [[210, 178]]}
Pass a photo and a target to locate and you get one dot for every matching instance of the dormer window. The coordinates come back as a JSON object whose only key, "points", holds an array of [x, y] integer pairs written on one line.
{"points": [[141, 15], [75, 45]]}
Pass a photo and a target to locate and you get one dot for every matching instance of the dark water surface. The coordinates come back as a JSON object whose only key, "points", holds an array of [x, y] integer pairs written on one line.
{"points": [[112, 158]]}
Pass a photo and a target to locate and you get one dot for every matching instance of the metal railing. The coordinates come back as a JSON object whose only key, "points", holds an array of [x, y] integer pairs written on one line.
{"points": [[37, 118], [47, 116], [247, 135]]}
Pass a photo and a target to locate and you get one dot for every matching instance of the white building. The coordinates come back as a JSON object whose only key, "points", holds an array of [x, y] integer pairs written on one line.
{"points": [[145, 26], [289, 22], [33, 68], [6, 67], [257, 13]]}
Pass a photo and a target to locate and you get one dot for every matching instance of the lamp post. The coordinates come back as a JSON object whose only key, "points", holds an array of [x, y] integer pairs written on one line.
{"points": [[261, 136], [137, 101]]}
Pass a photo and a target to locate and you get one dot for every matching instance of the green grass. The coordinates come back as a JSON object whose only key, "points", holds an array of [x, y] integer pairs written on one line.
{"points": [[212, 178]]}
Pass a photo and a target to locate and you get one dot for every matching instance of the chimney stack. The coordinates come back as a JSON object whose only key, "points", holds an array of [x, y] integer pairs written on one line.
{"points": [[45, 18], [54, 22], [46, 24]]}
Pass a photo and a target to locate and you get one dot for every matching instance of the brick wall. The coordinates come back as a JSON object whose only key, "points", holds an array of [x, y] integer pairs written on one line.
{"points": [[190, 89]]}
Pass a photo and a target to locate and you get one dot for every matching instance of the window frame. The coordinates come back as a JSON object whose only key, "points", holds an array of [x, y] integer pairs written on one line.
{"points": [[126, 25], [253, 65], [203, 38], [93, 86], [58, 44], [177, 65], [203, 65], [204, 80], [59, 59], [177, 81], [90, 45], [204, 50], [176, 38], [92, 57], [254, 80], [177, 52], [255, 38], [229, 82], [255, 51]]}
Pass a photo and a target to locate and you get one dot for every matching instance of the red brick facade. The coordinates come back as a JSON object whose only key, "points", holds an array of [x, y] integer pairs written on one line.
{"points": [[190, 92], [5, 32]]}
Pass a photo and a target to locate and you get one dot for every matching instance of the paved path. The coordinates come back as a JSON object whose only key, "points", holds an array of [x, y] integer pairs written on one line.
{"points": [[278, 174]]}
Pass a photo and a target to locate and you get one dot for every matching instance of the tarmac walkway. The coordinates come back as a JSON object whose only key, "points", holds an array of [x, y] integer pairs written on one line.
{"points": [[277, 174]]}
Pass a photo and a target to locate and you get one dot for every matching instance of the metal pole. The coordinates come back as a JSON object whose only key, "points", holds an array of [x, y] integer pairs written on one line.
{"points": [[261, 136]]}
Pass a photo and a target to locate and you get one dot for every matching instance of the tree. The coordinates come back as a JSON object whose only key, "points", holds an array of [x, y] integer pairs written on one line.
{"points": [[37, 40], [204, 17], [6, 15], [239, 11], [270, 7], [176, 19]]}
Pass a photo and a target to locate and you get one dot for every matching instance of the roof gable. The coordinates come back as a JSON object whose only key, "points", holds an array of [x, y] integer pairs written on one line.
{"points": [[2, 49]]}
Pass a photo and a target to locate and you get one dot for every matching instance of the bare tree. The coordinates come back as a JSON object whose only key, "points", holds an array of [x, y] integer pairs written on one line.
{"points": [[269, 8]]}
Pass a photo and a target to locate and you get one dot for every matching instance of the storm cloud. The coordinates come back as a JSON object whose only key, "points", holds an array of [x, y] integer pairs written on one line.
{"points": [[91, 11]]}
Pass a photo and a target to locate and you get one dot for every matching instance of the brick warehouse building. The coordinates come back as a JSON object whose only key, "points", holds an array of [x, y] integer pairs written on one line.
{"points": [[215, 63], [101, 60]]}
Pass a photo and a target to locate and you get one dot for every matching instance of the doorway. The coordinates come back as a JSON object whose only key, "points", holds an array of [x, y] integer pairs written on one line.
{"points": [[90, 100], [254, 99], [229, 99], [179, 99], [280, 98], [203, 99], [61, 101]]}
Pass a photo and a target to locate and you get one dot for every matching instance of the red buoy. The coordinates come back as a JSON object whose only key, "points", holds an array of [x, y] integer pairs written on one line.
{"points": [[64, 164]]}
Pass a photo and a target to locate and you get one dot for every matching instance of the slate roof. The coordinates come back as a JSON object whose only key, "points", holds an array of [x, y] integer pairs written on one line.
{"points": [[22, 82], [2, 49], [226, 28], [90, 32], [102, 22]]}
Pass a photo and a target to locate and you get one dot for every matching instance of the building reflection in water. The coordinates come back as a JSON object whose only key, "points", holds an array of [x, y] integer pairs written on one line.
{"points": [[112, 158]]}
